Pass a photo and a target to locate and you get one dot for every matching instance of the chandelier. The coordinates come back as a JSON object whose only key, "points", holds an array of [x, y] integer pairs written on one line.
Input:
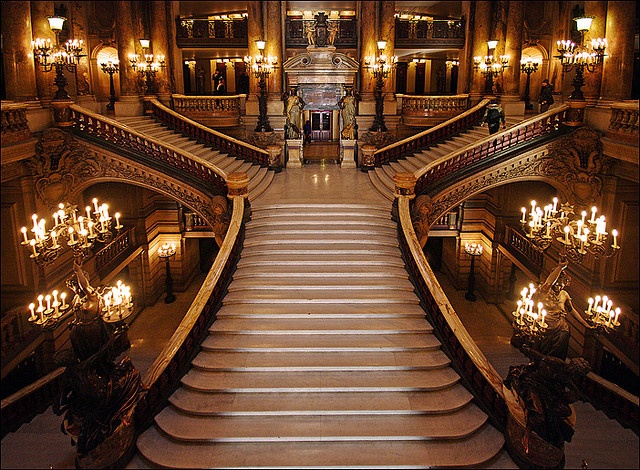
{"points": [[56, 56], [490, 65], [77, 232], [148, 67], [262, 66], [529, 318], [601, 312], [578, 235], [380, 67]]}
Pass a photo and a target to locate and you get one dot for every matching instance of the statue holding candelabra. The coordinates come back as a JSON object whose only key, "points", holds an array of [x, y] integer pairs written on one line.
{"points": [[99, 388]]}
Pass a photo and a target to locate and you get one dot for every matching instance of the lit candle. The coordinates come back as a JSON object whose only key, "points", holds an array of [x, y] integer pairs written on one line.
{"points": [[55, 218], [71, 235], [33, 313], [33, 247], [544, 314], [584, 216], [593, 214], [548, 228], [533, 207], [567, 229], [590, 305], [48, 299], [614, 232], [40, 306], [117, 219], [95, 204], [615, 321], [54, 237], [531, 224], [63, 297], [24, 233], [539, 307], [524, 213], [597, 302], [555, 204], [88, 208], [90, 225]]}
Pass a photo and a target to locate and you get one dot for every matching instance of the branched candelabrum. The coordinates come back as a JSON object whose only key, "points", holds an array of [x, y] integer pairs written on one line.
{"points": [[601, 313], [577, 235], [78, 232], [529, 318]]}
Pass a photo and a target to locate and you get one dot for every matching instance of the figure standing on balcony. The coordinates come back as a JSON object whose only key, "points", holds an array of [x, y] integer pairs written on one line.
{"points": [[546, 96]]}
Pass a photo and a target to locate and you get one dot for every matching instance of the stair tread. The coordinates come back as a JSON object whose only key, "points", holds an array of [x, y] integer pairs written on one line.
{"points": [[322, 310], [337, 283], [258, 360], [478, 448], [228, 323], [336, 342], [204, 403]]}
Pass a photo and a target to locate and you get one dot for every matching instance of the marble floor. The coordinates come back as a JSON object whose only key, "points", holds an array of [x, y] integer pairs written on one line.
{"points": [[599, 442]]}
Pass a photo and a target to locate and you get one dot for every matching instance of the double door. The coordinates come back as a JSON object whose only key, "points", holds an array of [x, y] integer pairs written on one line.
{"points": [[320, 126]]}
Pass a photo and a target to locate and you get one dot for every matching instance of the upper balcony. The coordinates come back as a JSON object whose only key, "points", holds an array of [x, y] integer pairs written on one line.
{"points": [[212, 31]]}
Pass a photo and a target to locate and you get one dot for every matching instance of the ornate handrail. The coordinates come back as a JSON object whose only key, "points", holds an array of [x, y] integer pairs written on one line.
{"points": [[412, 32], [523, 133], [113, 131], [623, 123], [466, 355], [210, 110], [15, 127], [206, 32], [233, 147], [521, 247], [114, 248], [174, 360], [431, 136]]}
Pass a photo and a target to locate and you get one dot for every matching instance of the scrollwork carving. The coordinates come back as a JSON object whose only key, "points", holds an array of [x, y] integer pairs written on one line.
{"points": [[420, 212]]}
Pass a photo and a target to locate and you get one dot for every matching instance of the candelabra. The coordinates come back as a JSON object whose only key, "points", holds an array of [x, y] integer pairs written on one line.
{"points": [[50, 57], [581, 56], [528, 321], [528, 66], [380, 67], [474, 250], [165, 253], [577, 235], [262, 67], [77, 232], [490, 65], [111, 67], [148, 67], [602, 315]]}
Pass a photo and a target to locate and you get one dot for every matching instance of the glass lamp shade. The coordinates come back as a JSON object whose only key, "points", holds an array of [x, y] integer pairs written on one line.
{"points": [[492, 44], [144, 43], [382, 45], [260, 43], [56, 22], [583, 23]]}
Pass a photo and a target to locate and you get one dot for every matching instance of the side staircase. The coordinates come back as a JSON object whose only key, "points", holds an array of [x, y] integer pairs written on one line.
{"points": [[321, 357], [259, 177], [382, 177]]}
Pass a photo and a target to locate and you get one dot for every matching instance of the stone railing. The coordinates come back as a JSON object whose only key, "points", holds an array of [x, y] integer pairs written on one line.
{"points": [[214, 111], [229, 145], [126, 138], [174, 360], [433, 176], [14, 123], [623, 123], [116, 247], [522, 249], [429, 137], [412, 33], [430, 110], [211, 32]]}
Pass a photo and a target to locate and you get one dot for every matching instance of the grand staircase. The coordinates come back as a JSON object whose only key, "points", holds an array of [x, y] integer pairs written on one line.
{"points": [[259, 177], [382, 177], [320, 357]]}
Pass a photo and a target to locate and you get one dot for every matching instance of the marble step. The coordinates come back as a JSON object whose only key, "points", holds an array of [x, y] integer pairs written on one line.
{"points": [[320, 381], [286, 222], [323, 249], [315, 326], [455, 425], [258, 361], [323, 310], [310, 296], [319, 285], [346, 403], [321, 230], [369, 238], [293, 342], [327, 271], [479, 448], [266, 258]]}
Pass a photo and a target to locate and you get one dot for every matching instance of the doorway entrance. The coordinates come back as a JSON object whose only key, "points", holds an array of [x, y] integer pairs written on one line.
{"points": [[321, 126]]}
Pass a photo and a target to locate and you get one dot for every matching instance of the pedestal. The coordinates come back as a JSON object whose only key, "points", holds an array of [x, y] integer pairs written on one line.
{"points": [[368, 158], [62, 112], [347, 159], [128, 105], [275, 160], [575, 113], [294, 153]]}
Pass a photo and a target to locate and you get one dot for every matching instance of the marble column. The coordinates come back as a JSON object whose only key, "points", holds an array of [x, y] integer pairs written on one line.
{"points": [[175, 73], [368, 39], [41, 29], [19, 67], [481, 30], [617, 73], [160, 46], [593, 80], [561, 82], [82, 82], [274, 47], [465, 69], [498, 32], [388, 33], [513, 48], [129, 101], [254, 32]]}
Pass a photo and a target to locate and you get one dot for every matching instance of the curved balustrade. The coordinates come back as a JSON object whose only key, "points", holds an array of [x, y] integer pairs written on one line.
{"points": [[14, 123], [432, 136], [216, 111], [233, 147], [113, 131], [174, 360], [623, 123], [467, 357], [541, 125], [416, 107]]}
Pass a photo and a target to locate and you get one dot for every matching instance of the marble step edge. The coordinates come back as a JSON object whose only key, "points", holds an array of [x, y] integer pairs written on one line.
{"points": [[161, 449]]}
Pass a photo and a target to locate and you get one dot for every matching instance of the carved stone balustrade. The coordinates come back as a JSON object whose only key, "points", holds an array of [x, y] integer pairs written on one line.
{"points": [[623, 124], [14, 123], [423, 111], [211, 111], [230, 31]]}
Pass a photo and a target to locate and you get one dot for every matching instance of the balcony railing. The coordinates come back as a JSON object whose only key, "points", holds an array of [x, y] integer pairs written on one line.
{"points": [[412, 33], [431, 110], [520, 247], [212, 111], [346, 34], [14, 123], [623, 124], [205, 32]]}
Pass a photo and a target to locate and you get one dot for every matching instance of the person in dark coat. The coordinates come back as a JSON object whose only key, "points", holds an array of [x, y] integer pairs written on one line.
{"points": [[546, 96], [493, 116]]}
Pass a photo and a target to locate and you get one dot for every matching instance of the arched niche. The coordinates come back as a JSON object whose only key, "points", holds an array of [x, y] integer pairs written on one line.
{"points": [[102, 54], [539, 54]]}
